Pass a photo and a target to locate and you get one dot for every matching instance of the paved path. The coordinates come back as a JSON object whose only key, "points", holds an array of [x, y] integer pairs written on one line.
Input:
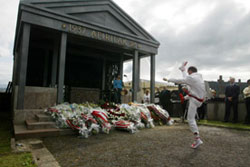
{"points": [[157, 147]]}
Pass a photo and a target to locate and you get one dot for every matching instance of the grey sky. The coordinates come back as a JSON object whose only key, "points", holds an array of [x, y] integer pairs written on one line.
{"points": [[213, 35]]}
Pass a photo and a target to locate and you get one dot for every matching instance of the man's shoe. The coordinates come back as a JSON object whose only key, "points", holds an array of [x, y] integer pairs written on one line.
{"points": [[196, 143]]}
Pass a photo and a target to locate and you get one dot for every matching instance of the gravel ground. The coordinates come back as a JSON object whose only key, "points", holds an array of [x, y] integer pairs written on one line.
{"points": [[157, 147]]}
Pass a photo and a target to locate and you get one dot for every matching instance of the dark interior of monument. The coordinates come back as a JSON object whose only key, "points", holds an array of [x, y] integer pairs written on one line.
{"points": [[84, 62]]}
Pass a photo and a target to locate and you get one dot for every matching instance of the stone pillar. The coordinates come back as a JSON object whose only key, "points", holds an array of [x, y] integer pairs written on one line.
{"points": [[22, 66], [135, 78], [14, 83], [152, 79], [121, 67], [103, 74], [46, 69], [139, 73], [14, 75], [61, 70], [54, 63]]}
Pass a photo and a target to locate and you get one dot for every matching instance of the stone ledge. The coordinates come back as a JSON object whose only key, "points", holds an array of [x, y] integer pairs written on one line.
{"points": [[21, 132]]}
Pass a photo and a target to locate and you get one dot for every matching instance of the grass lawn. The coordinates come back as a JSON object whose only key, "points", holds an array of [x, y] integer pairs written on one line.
{"points": [[7, 158], [16, 160], [240, 126]]}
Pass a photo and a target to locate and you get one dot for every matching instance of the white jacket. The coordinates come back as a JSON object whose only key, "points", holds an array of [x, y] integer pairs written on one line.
{"points": [[195, 83], [246, 92]]}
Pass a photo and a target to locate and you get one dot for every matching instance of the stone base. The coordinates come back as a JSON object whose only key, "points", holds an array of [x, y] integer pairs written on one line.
{"points": [[20, 116], [21, 132], [216, 111], [39, 97], [81, 95]]}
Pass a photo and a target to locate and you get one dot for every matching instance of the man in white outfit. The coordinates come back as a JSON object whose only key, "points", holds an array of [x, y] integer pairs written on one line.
{"points": [[195, 94]]}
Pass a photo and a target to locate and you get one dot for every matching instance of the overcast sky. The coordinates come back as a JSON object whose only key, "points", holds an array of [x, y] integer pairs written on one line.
{"points": [[213, 35]]}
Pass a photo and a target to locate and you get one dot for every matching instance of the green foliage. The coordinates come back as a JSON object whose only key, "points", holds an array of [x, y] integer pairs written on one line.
{"points": [[17, 160], [5, 135], [8, 159]]}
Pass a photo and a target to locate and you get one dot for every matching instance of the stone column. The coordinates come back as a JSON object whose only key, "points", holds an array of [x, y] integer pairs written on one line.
{"points": [[121, 67], [152, 79], [103, 74], [46, 69], [14, 75], [135, 80], [54, 63], [22, 65], [61, 70], [103, 77], [139, 73]]}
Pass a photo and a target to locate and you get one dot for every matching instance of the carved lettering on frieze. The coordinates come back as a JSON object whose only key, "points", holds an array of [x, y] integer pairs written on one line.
{"points": [[100, 35], [77, 29]]}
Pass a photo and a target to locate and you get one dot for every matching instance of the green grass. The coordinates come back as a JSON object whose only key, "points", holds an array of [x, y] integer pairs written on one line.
{"points": [[17, 160], [5, 135], [224, 124], [7, 158]]}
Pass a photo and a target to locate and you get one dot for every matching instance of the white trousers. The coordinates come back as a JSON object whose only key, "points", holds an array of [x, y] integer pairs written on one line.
{"points": [[192, 110]]}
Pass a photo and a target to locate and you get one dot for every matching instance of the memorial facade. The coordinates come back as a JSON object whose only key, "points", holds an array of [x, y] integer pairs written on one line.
{"points": [[70, 50]]}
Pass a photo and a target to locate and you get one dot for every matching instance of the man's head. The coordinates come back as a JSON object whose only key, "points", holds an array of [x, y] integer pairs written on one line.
{"points": [[191, 70], [118, 76], [248, 82], [231, 80]]}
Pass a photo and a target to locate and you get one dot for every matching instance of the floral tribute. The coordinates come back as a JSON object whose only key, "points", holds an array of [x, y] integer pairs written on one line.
{"points": [[89, 119]]}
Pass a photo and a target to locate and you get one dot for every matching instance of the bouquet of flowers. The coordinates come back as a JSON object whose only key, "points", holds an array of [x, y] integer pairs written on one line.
{"points": [[125, 125], [102, 118], [76, 117], [160, 115], [132, 113], [146, 116]]}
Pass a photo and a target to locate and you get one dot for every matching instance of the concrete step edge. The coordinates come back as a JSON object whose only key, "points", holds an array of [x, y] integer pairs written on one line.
{"points": [[43, 117]]}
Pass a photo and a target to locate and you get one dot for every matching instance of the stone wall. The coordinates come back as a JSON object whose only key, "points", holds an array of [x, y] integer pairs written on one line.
{"points": [[216, 111], [80, 95], [36, 99], [27, 114], [39, 97]]}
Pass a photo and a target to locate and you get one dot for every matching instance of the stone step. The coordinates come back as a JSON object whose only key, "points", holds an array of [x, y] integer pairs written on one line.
{"points": [[34, 124], [43, 118], [21, 132]]}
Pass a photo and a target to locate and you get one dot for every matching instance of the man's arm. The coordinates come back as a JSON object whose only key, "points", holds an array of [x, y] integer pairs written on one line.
{"points": [[184, 74], [187, 80]]}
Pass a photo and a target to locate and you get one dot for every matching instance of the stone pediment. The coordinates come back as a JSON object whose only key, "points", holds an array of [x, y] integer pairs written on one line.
{"points": [[104, 18], [104, 13]]}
